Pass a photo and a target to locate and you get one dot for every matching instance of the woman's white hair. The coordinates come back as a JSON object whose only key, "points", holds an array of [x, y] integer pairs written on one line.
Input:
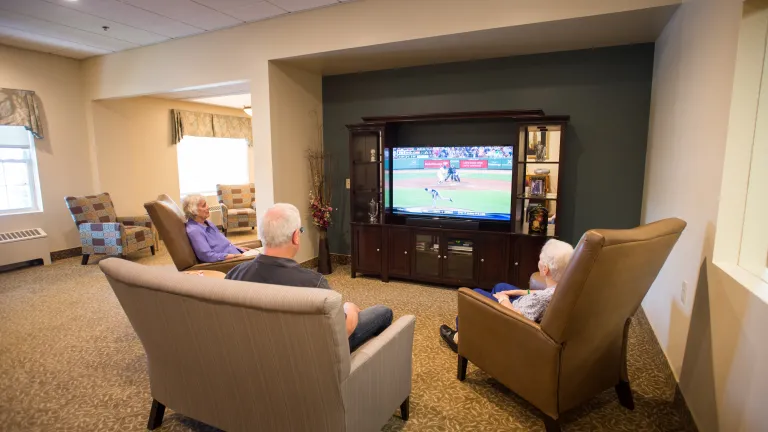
{"points": [[189, 205], [556, 255], [278, 223]]}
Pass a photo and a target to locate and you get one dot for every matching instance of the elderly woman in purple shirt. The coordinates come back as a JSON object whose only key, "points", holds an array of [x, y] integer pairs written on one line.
{"points": [[209, 244]]}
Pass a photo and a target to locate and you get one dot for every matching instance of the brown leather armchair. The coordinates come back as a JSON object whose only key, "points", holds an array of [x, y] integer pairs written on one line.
{"points": [[580, 347], [170, 223]]}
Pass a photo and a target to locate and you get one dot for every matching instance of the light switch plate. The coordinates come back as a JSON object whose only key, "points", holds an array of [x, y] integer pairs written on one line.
{"points": [[347, 183]]}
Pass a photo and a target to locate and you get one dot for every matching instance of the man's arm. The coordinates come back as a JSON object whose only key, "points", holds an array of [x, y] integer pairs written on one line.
{"points": [[323, 283]]}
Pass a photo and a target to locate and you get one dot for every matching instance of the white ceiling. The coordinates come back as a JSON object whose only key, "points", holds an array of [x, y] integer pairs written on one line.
{"points": [[73, 28]]}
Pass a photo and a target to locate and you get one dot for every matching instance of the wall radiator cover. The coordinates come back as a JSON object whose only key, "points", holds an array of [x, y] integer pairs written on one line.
{"points": [[24, 245], [215, 216]]}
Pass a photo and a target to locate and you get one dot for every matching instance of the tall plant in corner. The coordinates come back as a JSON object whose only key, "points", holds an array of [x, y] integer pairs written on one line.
{"points": [[320, 192]]}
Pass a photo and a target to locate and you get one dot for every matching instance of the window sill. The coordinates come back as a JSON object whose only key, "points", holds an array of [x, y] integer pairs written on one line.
{"points": [[19, 212], [746, 279]]}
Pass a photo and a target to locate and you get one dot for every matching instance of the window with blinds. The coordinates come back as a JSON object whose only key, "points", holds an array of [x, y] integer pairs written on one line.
{"points": [[19, 182]]}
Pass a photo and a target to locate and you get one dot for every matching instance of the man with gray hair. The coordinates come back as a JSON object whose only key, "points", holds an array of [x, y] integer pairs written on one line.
{"points": [[280, 232]]}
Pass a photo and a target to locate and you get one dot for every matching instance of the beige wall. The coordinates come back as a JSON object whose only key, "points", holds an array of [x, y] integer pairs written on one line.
{"points": [[715, 339], [62, 156], [294, 94], [135, 157]]}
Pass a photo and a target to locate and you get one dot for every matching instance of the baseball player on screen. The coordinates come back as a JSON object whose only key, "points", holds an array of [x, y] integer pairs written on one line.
{"points": [[436, 196]]}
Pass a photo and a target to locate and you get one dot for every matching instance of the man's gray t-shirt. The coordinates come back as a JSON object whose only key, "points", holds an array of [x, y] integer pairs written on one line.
{"points": [[277, 271]]}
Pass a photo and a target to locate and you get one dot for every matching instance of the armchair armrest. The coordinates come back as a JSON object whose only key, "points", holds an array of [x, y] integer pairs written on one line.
{"points": [[222, 266], [509, 347], [143, 221], [253, 244], [380, 376]]}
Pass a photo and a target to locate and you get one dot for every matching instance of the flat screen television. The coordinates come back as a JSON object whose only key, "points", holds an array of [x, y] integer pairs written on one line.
{"points": [[460, 182]]}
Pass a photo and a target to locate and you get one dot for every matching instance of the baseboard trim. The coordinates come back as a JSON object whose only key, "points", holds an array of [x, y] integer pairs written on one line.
{"points": [[66, 253], [336, 259]]}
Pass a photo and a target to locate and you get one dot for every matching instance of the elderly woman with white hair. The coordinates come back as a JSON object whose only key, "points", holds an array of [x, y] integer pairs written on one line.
{"points": [[209, 244], [553, 260]]}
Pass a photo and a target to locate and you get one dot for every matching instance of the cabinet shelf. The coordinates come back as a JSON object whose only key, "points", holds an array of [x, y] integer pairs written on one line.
{"points": [[534, 197], [534, 162]]}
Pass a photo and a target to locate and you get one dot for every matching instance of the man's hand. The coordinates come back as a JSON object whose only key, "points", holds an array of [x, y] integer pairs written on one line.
{"points": [[512, 293], [244, 248], [230, 256], [352, 312]]}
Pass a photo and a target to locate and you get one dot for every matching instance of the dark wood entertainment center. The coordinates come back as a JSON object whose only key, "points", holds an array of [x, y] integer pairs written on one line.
{"points": [[451, 251]]}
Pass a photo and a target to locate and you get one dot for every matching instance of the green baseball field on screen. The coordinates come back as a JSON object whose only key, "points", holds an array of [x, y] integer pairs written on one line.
{"points": [[487, 191]]}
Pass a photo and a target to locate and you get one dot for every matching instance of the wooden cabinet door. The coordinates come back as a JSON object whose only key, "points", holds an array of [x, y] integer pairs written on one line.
{"points": [[528, 251], [400, 249], [368, 249], [492, 260]]}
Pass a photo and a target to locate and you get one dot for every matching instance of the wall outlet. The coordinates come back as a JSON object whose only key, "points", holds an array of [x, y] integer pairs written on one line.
{"points": [[684, 293], [347, 183]]}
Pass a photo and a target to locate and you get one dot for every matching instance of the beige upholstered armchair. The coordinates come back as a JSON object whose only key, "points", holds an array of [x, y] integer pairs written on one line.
{"points": [[103, 232], [170, 223], [237, 203], [580, 347], [242, 356]]}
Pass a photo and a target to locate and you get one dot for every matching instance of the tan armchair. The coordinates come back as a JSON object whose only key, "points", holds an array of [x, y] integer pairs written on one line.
{"points": [[247, 357], [237, 206], [580, 347], [103, 232], [170, 223]]}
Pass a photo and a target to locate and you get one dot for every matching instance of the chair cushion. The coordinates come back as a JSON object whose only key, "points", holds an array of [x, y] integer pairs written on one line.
{"points": [[91, 208], [241, 218], [137, 237]]}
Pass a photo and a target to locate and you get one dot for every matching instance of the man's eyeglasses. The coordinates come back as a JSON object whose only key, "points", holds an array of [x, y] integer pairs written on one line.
{"points": [[301, 230]]}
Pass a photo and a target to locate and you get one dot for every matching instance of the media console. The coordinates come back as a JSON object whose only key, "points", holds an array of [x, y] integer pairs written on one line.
{"points": [[453, 251]]}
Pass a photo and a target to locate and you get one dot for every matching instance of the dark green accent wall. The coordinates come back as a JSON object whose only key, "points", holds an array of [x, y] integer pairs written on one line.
{"points": [[606, 91]]}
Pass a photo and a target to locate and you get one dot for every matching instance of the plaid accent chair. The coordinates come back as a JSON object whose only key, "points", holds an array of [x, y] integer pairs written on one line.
{"points": [[102, 232], [237, 206]]}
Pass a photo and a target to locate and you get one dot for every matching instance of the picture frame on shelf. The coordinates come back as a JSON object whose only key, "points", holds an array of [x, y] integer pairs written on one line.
{"points": [[538, 186]]}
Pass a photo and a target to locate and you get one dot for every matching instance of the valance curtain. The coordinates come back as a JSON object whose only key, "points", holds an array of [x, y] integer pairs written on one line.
{"points": [[19, 108], [210, 125]]}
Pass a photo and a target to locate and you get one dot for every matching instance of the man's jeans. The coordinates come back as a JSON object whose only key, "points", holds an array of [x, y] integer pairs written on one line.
{"points": [[371, 322], [499, 287]]}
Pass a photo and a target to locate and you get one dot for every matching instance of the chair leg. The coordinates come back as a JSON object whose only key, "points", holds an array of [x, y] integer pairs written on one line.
{"points": [[85, 259], [461, 373], [405, 409], [152, 249], [624, 392], [155, 415], [550, 424]]}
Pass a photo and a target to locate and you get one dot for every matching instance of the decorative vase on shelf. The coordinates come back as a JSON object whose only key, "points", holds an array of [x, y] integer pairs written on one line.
{"points": [[323, 254], [373, 212]]}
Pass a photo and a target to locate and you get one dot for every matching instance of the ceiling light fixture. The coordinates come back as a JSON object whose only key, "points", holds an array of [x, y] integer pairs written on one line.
{"points": [[248, 111]]}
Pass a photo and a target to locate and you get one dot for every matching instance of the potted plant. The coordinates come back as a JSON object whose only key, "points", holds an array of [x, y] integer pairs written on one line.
{"points": [[320, 195]]}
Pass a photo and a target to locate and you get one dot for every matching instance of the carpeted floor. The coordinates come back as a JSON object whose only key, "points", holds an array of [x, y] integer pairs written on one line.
{"points": [[70, 361]]}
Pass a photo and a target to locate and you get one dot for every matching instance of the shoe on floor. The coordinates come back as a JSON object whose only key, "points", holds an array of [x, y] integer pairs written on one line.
{"points": [[447, 334]]}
